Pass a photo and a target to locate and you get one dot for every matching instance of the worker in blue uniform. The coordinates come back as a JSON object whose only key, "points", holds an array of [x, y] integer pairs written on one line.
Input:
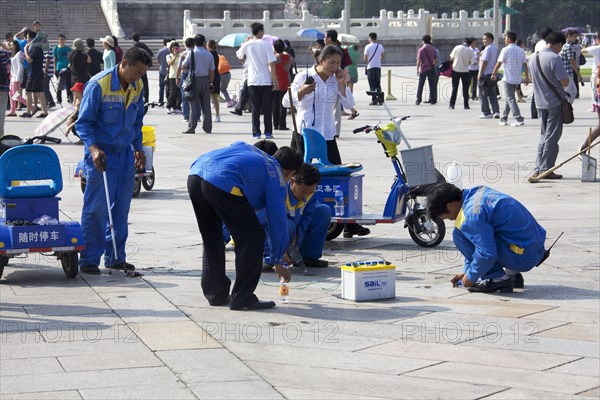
{"points": [[496, 234], [226, 186], [110, 125], [308, 220]]}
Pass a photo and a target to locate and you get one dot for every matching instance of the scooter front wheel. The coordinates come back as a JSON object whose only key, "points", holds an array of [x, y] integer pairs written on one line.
{"points": [[334, 230], [427, 231]]}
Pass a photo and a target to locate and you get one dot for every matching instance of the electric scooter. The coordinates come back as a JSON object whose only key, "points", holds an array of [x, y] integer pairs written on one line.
{"points": [[413, 178]]}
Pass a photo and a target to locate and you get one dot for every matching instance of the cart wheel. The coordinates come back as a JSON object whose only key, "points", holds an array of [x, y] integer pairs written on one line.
{"points": [[137, 187], [334, 230], [83, 183], [3, 262], [148, 181], [430, 232], [69, 262]]}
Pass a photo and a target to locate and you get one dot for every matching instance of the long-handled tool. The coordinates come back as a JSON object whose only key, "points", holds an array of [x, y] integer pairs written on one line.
{"points": [[130, 273], [534, 179], [547, 252], [297, 142]]}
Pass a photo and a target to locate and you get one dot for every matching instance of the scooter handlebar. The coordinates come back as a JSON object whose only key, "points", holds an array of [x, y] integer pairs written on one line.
{"points": [[361, 129]]}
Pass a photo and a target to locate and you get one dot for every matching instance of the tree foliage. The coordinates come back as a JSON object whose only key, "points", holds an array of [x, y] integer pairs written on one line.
{"points": [[535, 14]]}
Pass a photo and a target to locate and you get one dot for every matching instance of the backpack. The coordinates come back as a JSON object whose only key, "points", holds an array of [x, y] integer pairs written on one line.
{"points": [[224, 65]]}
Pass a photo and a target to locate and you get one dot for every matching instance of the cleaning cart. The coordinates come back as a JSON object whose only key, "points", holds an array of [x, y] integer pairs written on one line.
{"points": [[30, 180]]}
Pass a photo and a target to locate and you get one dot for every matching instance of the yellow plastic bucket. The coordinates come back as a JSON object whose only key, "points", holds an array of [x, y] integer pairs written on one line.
{"points": [[149, 136]]}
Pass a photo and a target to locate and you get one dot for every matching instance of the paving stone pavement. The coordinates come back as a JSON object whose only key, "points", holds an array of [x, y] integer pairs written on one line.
{"points": [[100, 337]]}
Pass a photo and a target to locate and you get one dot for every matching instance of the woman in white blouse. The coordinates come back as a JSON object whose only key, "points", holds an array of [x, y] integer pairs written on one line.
{"points": [[315, 101]]}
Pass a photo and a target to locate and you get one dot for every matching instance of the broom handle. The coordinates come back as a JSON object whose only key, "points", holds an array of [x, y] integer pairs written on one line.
{"points": [[548, 172], [293, 112]]}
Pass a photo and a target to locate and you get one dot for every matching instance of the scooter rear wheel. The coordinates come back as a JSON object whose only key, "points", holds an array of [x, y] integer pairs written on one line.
{"points": [[334, 230]]}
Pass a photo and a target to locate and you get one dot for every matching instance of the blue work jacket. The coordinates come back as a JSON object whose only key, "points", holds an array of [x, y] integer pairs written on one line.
{"points": [[109, 116], [243, 170], [488, 219]]}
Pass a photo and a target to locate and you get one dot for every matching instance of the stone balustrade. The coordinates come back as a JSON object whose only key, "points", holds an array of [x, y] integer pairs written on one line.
{"points": [[389, 25]]}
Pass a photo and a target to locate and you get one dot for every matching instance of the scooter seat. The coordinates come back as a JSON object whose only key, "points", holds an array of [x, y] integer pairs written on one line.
{"points": [[315, 147], [338, 170]]}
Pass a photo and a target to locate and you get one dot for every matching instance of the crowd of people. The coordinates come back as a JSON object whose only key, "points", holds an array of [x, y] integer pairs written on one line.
{"points": [[109, 91]]}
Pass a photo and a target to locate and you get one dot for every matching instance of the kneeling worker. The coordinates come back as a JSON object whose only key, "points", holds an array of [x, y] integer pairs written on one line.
{"points": [[226, 186], [307, 222], [496, 234]]}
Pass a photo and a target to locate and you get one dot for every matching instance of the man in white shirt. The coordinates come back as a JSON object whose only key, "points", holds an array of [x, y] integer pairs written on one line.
{"points": [[373, 56], [514, 60], [461, 57], [262, 78], [541, 44], [488, 88], [595, 52]]}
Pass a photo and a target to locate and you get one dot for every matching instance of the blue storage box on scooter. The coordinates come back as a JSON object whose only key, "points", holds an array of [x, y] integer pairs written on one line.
{"points": [[350, 185]]}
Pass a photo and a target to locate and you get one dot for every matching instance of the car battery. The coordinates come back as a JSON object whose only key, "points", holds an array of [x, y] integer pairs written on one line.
{"points": [[368, 280]]}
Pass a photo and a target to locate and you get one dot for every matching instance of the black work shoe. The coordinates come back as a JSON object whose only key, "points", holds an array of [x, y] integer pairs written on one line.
{"points": [[121, 266], [266, 267], [517, 281], [189, 131], [312, 263], [236, 112], [225, 302], [259, 305], [355, 229], [90, 269], [489, 286]]}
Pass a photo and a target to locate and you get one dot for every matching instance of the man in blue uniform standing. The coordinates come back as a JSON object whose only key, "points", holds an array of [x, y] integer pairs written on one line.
{"points": [[109, 124], [496, 234], [308, 220], [226, 186]]}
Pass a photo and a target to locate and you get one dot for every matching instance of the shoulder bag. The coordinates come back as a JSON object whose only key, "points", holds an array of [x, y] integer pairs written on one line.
{"points": [[190, 81], [375, 52], [565, 107]]}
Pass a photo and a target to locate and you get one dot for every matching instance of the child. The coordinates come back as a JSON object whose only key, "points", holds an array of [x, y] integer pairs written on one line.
{"points": [[41, 39]]}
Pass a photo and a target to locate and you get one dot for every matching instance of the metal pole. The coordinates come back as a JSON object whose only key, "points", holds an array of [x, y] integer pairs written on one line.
{"points": [[347, 19], [508, 16], [497, 21]]}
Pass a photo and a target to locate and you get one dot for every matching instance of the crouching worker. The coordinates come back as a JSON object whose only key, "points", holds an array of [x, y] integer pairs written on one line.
{"points": [[496, 234], [226, 186], [307, 222]]}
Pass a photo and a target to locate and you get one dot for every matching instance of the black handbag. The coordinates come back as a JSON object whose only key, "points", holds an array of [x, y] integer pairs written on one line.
{"points": [[582, 59], [189, 84], [566, 108]]}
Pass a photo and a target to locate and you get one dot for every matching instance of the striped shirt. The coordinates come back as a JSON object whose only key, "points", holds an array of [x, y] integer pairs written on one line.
{"points": [[512, 57], [49, 59], [567, 54]]}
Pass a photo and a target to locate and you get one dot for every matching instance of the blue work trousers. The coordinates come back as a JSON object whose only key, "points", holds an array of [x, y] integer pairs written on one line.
{"points": [[120, 172], [314, 237], [506, 257]]}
